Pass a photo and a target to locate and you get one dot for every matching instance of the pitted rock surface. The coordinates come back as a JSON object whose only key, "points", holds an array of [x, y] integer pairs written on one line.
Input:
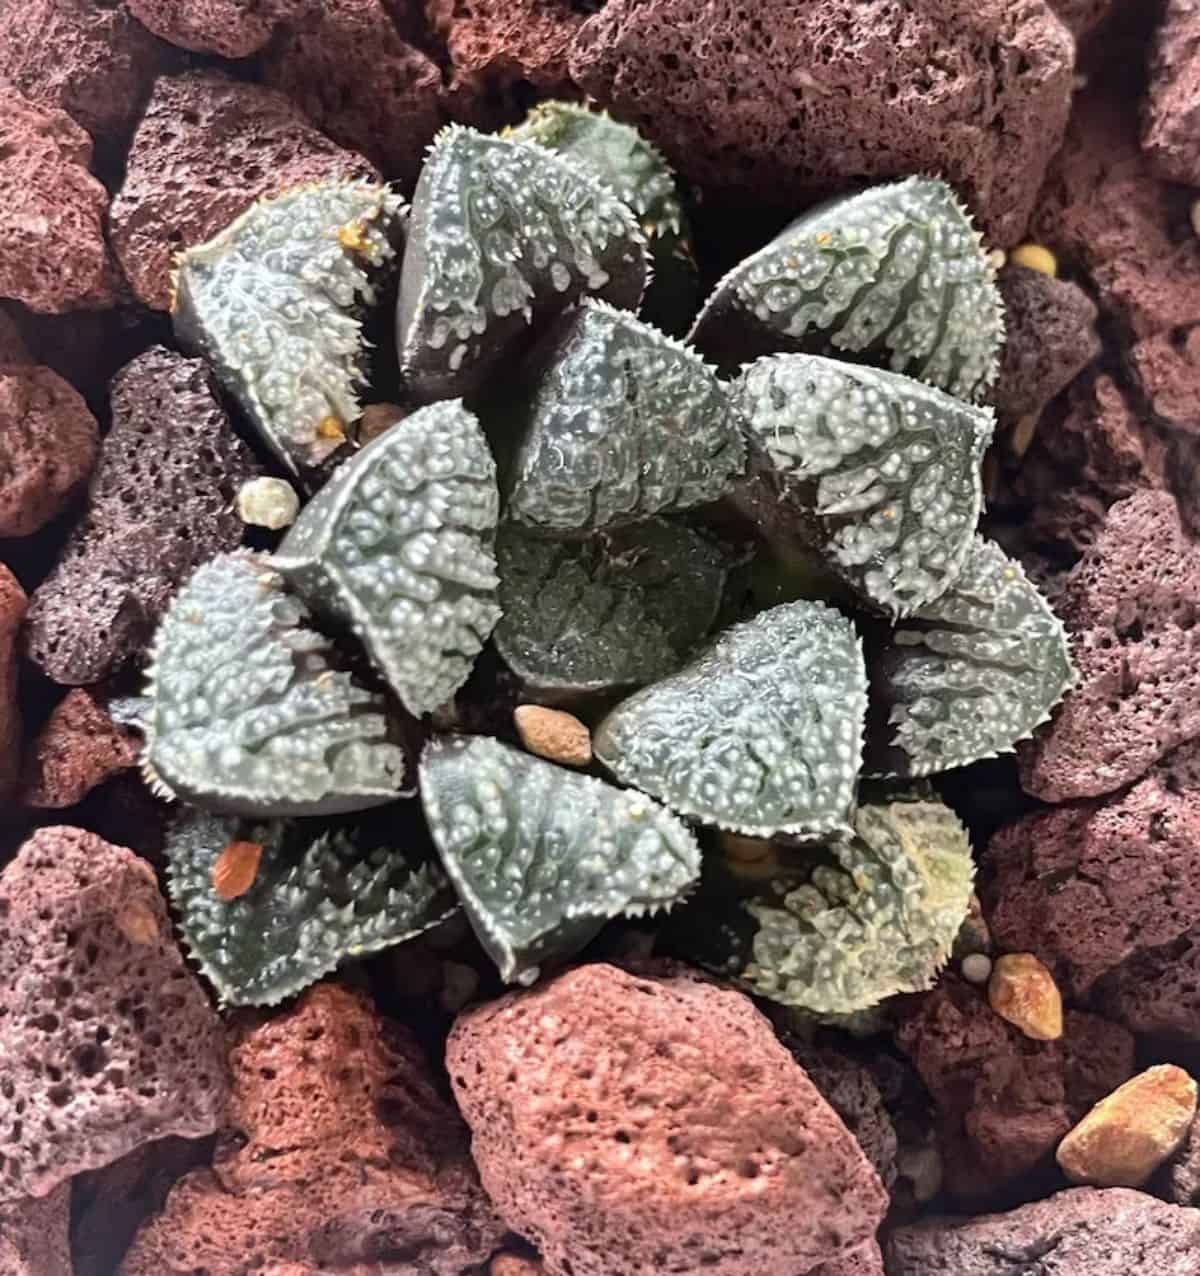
{"points": [[1157, 990], [867, 1260], [627, 1123], [1167, 366], [12, 612], [34, 1237], [205, 150], [13, 350], [1179, 1179], [78, 748], [1084, 1231], [53, 256], [340, 1150], [1131, 605], [784, 103], [94, 61], [359, 82], [48, 444], [231, 28], [161, 501], [1171, 136], [109, 1038]]}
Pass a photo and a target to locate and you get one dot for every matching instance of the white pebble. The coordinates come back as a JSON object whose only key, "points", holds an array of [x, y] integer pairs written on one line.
{"points": [[268, 502], [977, 968]]}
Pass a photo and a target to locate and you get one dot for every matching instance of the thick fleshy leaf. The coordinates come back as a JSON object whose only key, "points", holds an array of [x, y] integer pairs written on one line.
{"points": [[542, 857], [399, 545], [761, 733]]}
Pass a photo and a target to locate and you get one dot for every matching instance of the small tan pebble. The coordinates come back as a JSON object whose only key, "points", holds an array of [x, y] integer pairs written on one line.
{"points": [[1035, 257], [138, 924], [1023, 434], [553, 734], [973, 935], [750, 858], [514, 1265], [997, 258], [976, 968], [236, 868], [1129, 1134], [1023, 991], [268, 502], [376, 418], [459, 985]]}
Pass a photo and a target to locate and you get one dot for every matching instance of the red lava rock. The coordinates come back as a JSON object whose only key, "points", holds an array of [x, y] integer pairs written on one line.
{"points": [[1168, 368], [1085, 1231], [1051, 338], [627, 1124], [787, 103], [867, 1260], [160, 503], [109, 1039], [13, 349], [1083, 16], [1179, 1180], [1173, 106], [1157, 990], [231, 28], [12, 612], [92, 60], [77, 749], [1004, 1100], [1086, 885], [1131, 604], [48, 444], [206, 149], [53, 256], [340, 1151], [359, 82], [33, 1235]]}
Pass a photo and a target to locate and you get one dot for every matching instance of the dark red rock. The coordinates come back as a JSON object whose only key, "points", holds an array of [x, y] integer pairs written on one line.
{"points": [[13, 350], [92, 60], [1167, 367], [1131, 605], [53, 256], [867, 1260], [205, 150], [48, 444], [78, 748], [1082, 17], [627, 1123], [161, 501], [359, 82], [1085, 1231], [785, 103], [12, 612], [1171, 136], [340, 1151], [109, 1039], [231, 28], [1179, 1180], [1157, 990], [33, 1235]]}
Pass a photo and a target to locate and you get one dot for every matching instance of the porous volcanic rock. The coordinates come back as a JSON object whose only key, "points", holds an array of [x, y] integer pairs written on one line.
{"points": [[627, 1123], [12, 613], [1167, 367], [1131, 605], [340, 1151], [359, 82], [867, 1260], [92, 60], [785, 103], [1157, 990], [1084, 1231], [48, 443], [13, 350], [109, 1039], [161, 501], [205, 150], [1179, 1179], [1083, 16], [78, 748], [53, 256], [33, 1235], [1171, 136], [231, 28]]}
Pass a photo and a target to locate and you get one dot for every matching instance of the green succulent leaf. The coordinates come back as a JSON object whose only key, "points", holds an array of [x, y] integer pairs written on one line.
{"points": [[499, 230], [317, 900], [271, 303], [247, 717], [761, 733], [542, 857], [968, 676], [615, 611], [896, 275], [399, 544], [882, 472], [624, 423]]}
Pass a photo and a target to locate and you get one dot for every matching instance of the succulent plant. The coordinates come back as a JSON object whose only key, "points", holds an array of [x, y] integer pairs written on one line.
{"points": [[896, 274], [271, 303], [399, 544], [760, 734], [542, 857], [615, 611], [624, 423], [969, 675], [315, 902], [246, 715], [882, 472], [498, 229]]}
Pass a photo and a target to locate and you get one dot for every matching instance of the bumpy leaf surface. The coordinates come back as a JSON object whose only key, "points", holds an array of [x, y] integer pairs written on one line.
{"points": [[399, 544], [500, 229], [542, 857], [316, 902], [969, 675], [247, 717], [761, 734], [618, 610], [270, 302], [624, 423], [882, 471], [896, 275]]}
